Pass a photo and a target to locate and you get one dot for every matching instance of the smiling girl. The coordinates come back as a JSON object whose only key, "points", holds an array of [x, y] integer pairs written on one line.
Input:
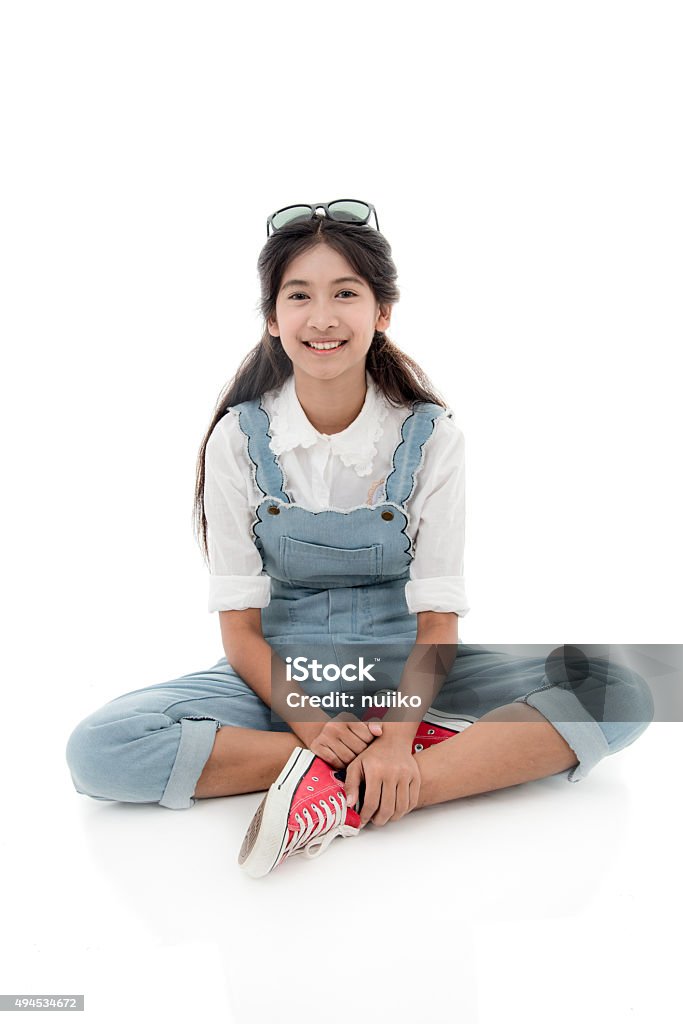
{"points": [[330, 506]]}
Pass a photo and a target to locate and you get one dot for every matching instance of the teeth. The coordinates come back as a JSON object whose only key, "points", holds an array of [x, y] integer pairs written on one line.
{"points": [[325, 344]]}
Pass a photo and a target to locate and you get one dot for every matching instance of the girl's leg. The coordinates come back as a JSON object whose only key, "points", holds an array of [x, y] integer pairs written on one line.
{"points": [[536, 717], [153, 745], [507, 746], [244, 761]]}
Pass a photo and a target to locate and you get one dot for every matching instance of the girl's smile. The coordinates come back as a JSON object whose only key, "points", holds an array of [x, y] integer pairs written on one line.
{"points": [[322, 346]]}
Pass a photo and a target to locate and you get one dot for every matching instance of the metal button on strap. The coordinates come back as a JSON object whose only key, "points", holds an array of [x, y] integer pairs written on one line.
{"points": [[274, 510], [388, 516]]}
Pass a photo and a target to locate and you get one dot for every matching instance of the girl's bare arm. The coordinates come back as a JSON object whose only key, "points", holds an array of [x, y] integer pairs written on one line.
{"points": [[254, 660], [424, 673]]}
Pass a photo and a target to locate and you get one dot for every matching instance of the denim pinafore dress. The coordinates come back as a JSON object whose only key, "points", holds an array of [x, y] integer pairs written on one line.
{"points": [[338, 577]]}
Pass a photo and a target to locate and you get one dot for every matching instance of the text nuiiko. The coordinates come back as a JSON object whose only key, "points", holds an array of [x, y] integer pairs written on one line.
{"points": [[345, 700]]}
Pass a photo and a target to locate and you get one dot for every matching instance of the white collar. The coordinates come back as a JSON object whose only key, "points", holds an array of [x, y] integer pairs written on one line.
{"points": [[356, 446]]}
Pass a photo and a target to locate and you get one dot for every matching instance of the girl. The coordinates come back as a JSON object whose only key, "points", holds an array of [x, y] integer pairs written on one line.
{"points": [[330, 505]]}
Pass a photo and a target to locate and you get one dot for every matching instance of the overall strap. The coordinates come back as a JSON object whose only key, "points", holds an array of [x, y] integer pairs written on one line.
{"points": [[255, 425], [415, 432]]}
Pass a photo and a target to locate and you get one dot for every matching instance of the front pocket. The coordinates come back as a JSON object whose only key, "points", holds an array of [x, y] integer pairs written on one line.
{"points": [[318, 565]]}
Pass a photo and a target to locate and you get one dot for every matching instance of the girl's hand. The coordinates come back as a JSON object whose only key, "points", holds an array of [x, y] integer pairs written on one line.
{"points": [[343, 738], [392, 782]]}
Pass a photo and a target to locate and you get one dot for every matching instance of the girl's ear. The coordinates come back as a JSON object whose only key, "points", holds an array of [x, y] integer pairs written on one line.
{"points": [[383, 318], [273, 328]]}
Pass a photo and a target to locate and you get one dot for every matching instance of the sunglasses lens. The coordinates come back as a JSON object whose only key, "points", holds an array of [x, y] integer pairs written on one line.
{"points": [[349, 210], [290, 215]]}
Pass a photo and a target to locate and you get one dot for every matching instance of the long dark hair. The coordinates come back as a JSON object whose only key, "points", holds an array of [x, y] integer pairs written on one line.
{"points": [[267, 365]]}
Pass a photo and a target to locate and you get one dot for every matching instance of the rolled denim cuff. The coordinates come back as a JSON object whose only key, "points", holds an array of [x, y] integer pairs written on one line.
{"points": [[575, 725], [197, 737]]}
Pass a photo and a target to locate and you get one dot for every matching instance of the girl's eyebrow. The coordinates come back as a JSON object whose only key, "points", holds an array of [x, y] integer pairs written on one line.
{"points": [[298, 282]]}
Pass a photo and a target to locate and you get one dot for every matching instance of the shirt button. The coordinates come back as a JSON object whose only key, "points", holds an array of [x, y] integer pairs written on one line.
{"points": [[388, 516], [274, 510]]}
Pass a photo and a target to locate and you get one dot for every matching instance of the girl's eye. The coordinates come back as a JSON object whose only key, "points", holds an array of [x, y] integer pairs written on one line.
{"points": [[344, 291]]}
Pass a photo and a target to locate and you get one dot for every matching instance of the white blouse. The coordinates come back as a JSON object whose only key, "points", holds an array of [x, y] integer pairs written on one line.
{"points": [[336, 471]]}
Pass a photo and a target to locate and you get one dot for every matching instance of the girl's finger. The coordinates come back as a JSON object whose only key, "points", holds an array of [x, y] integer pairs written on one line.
{"points": [[327, 754], [352, 784], [414, 792], [342, 748], [353, 743], [371, 800], [402, 800], [387, 806], [367, 731]]}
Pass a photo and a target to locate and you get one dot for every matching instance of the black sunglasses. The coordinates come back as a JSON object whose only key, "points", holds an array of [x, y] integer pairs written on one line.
{"points": [[349, 211]]}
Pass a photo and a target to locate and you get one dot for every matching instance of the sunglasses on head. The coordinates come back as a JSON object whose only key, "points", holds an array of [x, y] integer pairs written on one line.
{"points": [[349, 211]]}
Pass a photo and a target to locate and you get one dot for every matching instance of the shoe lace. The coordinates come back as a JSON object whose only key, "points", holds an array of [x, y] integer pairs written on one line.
{"points": [[315, 835]]}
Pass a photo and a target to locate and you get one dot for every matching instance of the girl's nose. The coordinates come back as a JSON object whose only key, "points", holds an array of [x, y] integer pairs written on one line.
{"points": [[321, 317]]}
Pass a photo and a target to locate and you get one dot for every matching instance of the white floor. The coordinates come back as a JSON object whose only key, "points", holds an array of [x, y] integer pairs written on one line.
{"points": [[546, 901]]}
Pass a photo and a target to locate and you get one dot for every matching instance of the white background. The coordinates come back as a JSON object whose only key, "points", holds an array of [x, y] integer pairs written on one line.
{"points": [[525, 162]]}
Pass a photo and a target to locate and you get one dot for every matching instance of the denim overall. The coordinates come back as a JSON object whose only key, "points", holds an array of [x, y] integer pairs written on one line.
{"points": [[337, 591]]}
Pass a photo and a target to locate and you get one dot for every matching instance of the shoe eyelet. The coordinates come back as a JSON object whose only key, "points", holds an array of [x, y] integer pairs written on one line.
{"points": [[315, 778], [430, 732], [418, 746], [322, 801]]}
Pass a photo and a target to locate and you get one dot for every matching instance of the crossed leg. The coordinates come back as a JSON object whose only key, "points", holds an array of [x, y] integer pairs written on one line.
{"points": [[507, 746]]}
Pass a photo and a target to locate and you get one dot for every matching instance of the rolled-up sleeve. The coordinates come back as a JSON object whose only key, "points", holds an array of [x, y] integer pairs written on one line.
{"points": [[437, 581], [236, 579]]}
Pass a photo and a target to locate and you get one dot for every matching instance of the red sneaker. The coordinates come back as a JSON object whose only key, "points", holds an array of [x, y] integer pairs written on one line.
{"points": [[437, 726], [302, 812]]}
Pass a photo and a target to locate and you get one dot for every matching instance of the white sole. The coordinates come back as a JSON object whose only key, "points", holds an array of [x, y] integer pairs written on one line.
{"points": [[455, 722], [267, 833]]}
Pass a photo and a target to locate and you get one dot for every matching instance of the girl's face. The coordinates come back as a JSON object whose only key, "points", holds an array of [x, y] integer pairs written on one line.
{"points": [[322, 299]]}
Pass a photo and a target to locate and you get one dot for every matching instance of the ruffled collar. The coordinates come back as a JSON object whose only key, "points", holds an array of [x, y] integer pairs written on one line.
{"points": [[356, 446]]}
